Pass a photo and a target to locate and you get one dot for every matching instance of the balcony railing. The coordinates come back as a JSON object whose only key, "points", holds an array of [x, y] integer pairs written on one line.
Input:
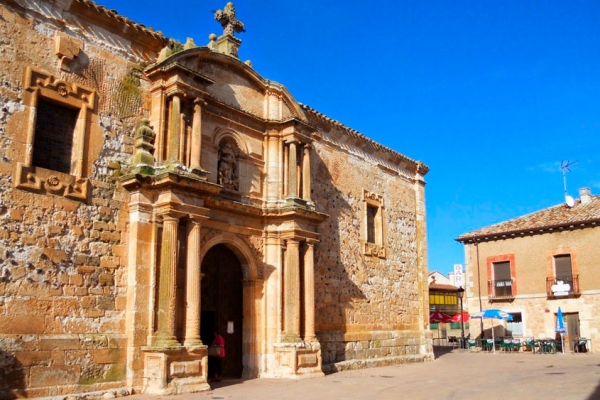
{"points": [[567, 286], [501, 289]]}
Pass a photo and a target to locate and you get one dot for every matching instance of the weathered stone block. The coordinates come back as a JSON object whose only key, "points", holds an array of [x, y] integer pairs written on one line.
{"points": [[29, 324], [56, 375], [108, 356], [60, 342]]}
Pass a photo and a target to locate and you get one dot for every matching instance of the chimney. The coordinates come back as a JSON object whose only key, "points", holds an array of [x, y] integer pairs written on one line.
{"points": [[585, 195]]}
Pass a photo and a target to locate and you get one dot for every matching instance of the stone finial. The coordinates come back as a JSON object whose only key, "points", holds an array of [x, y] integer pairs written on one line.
{"points": [[212, 44], [144, 144], [189, 44], [228, 20], [164, 53]]}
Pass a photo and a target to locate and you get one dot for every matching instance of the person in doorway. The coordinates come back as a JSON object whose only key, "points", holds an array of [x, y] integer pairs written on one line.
{"points": [[218, 341]]}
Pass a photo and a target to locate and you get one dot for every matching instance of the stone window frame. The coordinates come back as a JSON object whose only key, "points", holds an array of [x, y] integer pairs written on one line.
{"points": [[40, 85], [376, 248]]}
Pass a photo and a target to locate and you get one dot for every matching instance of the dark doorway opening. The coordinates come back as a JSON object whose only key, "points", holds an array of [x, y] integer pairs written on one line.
{"points": [[222, 305]]}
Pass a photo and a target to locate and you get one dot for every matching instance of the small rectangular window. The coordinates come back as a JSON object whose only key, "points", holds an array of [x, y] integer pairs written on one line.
{"points": [[371, 218]]}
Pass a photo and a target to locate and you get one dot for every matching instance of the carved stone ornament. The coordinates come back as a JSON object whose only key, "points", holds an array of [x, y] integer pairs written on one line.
{"points": [[67, 92], [374, 250], [228, 20], [41, 181], [144, 144], [373, 197]]}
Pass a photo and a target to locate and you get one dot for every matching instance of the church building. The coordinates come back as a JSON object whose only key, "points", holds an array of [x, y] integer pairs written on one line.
{"points": [[154, 192]]}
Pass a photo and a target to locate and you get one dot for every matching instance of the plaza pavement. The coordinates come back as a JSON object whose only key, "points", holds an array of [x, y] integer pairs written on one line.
{"points": [[455, 374]]}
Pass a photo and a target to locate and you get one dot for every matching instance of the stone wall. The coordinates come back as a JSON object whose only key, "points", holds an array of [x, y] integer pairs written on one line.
{"points": [[366, 307], [62, 261]]}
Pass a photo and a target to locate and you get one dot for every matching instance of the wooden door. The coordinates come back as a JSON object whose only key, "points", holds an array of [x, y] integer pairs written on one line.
{"points": [[572, 325]]}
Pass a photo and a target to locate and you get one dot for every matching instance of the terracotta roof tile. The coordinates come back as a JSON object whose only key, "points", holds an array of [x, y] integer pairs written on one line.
{"points": [[122, 19], [441, 286], [557, 217], [423, 169]]}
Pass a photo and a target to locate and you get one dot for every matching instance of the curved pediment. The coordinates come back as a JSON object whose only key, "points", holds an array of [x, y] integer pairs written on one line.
{"points": [[228, 80]]}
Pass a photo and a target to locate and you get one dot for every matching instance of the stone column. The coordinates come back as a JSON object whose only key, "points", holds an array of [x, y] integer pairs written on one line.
{"points": [[174, 129], [306, 172], [286, 168], [291, 301], [309, 292], [292, 171], [192, 286], [196, 148], [167, 300]]}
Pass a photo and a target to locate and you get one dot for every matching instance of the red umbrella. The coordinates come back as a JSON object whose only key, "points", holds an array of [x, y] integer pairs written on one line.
{"points": [[438, 316], [464, 317]]}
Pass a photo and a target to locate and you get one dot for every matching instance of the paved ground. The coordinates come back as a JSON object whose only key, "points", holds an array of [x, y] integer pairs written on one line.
{"points": [[455, 374]]}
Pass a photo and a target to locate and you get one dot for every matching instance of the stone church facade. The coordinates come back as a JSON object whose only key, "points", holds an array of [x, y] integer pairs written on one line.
{"points": [[152, 192]]}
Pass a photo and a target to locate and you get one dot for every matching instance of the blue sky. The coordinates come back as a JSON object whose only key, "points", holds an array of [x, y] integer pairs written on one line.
{"points": [[491, 95]]}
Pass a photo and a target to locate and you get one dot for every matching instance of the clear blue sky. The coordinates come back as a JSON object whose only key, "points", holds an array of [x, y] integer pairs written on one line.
{"points": [[491, 95]]}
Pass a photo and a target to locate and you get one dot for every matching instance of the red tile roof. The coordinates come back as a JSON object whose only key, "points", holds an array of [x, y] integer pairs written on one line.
{"points": [[551, 219], [441, 286]]}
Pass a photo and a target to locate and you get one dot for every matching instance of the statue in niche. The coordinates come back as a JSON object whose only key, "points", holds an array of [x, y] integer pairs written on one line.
{"points": [[227, 168]]}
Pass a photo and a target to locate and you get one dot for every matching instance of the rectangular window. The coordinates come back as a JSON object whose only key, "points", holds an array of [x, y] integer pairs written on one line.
{"points": [[502, 280], [515, 327], [55, 157], [563, 268], [54, 131], [371, 218], [373, 227]]}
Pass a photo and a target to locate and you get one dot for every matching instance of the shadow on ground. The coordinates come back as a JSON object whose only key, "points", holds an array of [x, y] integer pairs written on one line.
{"points": [[439, 351]]}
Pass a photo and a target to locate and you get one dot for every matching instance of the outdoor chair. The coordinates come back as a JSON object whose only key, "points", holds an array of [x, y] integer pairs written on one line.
{"points": [[488, 345], [472, 345], [505, 345], [516, 345], [532, 344]]}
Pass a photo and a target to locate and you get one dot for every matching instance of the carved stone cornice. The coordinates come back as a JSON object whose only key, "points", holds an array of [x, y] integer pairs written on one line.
{"points": [[65, 92]]}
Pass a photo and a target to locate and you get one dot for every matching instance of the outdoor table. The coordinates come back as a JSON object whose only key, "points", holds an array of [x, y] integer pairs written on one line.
{"points": [[582, 341]]}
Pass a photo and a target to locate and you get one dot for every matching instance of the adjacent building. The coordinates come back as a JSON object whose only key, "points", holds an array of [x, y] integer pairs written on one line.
{"points": [[532, 265], [152, 192]]}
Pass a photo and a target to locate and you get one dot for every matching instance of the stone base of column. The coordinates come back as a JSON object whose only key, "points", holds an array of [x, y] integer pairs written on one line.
{"points": [[296, 360], [196, 170], [295, 201], [169, 371]]}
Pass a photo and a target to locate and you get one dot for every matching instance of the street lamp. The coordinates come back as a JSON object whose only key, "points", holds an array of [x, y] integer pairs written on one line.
{"points": [[460, 293]]}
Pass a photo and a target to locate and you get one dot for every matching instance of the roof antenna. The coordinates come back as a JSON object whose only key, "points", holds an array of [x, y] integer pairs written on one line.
{"points": [[564, 166]]}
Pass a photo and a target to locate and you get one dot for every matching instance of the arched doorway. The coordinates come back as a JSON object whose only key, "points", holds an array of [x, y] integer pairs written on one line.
{"points": [[222, 305]]}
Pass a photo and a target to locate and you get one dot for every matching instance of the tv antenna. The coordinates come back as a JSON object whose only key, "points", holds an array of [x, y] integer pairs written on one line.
{"points": [[564, 166]]}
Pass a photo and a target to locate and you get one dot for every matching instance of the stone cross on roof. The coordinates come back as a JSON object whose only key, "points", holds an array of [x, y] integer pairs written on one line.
{"points": [[227, 19]]}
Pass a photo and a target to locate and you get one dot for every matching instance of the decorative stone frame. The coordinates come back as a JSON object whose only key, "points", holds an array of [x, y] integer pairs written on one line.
{"points": [[376, 248], [41, 85]]}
